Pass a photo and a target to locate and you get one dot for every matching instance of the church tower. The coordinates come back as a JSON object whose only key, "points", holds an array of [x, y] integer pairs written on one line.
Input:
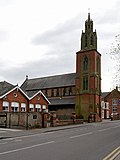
{"points": [[88, 74]]}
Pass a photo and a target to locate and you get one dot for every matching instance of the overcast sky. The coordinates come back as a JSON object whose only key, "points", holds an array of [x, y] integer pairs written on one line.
{"points": [[41, 37]]}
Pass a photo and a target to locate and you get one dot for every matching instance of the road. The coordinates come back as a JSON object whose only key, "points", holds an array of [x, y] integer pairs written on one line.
{"points": [[87, 142]]}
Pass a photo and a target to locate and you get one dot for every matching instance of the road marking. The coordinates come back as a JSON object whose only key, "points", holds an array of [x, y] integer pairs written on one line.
{"points": [[28, 136], [13, 130], [47, 133], [3, 143], [113, 154], [20, 149], [2, 131], [80, 135], [101, 130], [18, 140]]}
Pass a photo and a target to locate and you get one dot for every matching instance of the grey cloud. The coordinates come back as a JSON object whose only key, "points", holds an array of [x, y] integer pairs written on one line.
{"points": [[61, 34], [44, 67], [64, 42]]}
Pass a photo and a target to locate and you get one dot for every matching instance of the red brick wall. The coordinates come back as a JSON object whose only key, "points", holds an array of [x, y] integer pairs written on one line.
{"points": [[115, 94], [88, 100], [21, 98], [39, 99]]}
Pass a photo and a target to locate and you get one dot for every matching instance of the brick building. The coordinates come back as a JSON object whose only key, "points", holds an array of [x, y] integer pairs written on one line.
{"points": [[60, 91], [78, 92], [14, 99], [113, 100]]}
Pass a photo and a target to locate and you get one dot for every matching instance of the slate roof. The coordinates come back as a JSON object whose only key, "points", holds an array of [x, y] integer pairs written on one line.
{"points": [[5, 87], [49, 82], [30, 93], [62, 101], [104, 94]]}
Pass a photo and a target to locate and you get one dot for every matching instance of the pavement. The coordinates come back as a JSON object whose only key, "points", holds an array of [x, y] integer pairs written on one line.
{"points": [[10, 133]]}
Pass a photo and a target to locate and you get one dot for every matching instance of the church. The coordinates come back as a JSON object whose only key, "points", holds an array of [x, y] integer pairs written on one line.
{"points": [[78, 92]]}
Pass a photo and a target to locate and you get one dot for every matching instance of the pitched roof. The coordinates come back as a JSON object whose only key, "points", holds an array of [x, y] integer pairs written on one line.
{"points": [[49, 82], [62, 101], [104, 94], [32, 94], [5, 87]]}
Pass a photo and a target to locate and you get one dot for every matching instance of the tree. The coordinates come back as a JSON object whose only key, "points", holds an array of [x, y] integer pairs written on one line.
{"points": [[115, 55]]}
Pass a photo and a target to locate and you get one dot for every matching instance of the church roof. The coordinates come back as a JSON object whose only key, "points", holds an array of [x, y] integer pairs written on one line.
{"points": [[49, 82], [62, 101]]}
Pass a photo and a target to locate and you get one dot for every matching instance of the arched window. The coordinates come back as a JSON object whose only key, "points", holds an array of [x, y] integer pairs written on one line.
{"points": [[52, 93], [85, 83], [57, 92], [85, 64], [98, 65], [91, 40], [92, 27], [86, 26], [70, 91], [85, 40], [64, 92]]}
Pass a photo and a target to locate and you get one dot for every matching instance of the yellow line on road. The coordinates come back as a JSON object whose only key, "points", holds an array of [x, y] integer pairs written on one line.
{"points": [[113, 154]]}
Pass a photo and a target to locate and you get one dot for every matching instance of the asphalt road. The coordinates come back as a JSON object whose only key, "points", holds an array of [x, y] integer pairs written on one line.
{"points": [[88, 142]]}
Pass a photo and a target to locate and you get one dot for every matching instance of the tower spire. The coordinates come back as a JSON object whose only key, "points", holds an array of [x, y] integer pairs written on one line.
{"points": [[88, 14], [88, 38]]}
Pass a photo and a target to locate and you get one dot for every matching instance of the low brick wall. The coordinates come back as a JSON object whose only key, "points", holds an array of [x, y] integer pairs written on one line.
{"points": [[22, 120], [115, 117], [68, 122]]}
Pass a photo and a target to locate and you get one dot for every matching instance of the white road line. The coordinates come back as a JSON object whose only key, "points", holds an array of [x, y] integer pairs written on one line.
{"points": [[18, 140], [8, 129], [101, 130], [27, 136], [3, 143], [80, 135], [29, 147], [2, 131]]}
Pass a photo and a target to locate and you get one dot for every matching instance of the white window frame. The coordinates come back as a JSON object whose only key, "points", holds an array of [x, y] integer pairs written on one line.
{"points": [[38, 107], [15, 106], [106, 105], [23, 107], [31, 107], [6, 106], [44, 106]]}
